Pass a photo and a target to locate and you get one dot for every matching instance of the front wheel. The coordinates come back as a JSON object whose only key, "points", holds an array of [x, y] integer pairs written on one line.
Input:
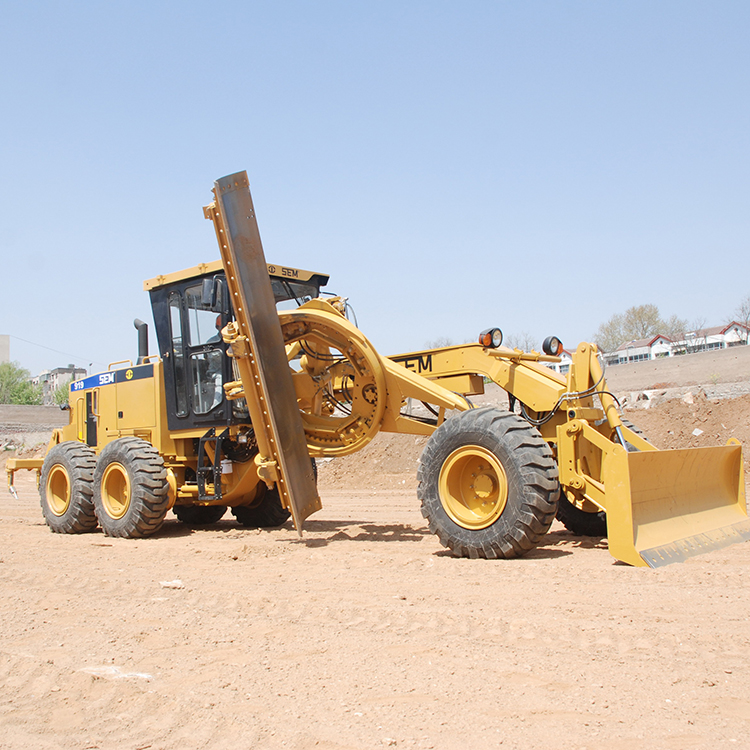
{"points": [[66, 488], [131, 492], [488, 484]]}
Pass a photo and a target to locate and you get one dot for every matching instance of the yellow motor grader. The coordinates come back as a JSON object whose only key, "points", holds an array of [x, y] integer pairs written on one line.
{"points": [[242, 395]]}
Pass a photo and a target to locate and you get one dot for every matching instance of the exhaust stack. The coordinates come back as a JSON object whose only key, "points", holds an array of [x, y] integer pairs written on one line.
{"points": [[142, 329]]}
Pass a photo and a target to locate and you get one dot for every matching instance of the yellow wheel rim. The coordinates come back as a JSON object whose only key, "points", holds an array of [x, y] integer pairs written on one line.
{"points": [[473, 487], [58, 490], [115, 490]]}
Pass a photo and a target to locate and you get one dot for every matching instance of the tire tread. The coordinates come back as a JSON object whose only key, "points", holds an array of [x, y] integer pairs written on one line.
{"points": [[534, 463], [79, 461], [149, 500]]}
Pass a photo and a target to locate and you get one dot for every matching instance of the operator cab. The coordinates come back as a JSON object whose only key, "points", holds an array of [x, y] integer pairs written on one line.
{"points": [[190, 308]]}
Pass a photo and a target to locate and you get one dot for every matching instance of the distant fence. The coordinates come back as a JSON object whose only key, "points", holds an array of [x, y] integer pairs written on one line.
{"points": [[43, 416]]}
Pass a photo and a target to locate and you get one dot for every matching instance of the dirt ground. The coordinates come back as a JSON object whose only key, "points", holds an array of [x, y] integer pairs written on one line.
{"points": [[365, 633]]}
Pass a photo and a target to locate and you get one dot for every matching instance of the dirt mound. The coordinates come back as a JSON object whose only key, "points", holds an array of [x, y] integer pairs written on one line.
{"points": [[695, 422], [388, 462]]}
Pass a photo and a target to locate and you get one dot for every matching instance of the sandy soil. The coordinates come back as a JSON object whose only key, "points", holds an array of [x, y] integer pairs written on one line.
{"points": [[366, 633]]}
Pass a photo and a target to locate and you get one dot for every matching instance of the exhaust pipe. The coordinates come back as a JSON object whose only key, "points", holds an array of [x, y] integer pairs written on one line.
{"points": [[142, 329]]}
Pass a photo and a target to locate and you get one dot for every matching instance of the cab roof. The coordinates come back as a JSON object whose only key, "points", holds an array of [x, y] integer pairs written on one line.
{"points": [[282, 272]]}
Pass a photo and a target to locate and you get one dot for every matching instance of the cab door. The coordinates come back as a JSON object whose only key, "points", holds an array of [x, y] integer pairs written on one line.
{"points": [[92, 417]]}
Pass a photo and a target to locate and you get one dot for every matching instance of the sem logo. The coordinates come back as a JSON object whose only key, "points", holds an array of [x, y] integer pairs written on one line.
{"points": [[417, 364], [129, 375], [106, 378]]}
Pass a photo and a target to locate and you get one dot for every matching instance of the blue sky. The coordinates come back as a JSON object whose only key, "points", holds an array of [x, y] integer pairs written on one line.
{"points": [[534, 165]]}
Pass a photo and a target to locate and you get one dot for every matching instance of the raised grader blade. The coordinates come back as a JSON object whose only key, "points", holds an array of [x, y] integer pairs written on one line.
{"points": [[258, 350], [661, 506]]}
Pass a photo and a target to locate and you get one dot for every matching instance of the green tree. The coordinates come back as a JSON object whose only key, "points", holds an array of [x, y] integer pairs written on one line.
{"points": [[62, 393], [639, 322], [16, 387]]}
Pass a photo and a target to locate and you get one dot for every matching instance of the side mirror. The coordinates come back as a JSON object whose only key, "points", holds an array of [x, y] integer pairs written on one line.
{"points": [[207, 293], [213, 294], [219, 296]]}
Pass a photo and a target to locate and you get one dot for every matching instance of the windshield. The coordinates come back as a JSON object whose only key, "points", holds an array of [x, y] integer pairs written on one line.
{"points": [[291, 294]]}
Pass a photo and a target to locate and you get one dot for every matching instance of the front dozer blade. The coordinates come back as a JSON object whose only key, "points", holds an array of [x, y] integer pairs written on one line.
{"points": [[666, 506]]}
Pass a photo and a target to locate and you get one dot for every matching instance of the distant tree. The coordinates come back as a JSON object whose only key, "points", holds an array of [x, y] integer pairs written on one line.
{"points": [[610, 334], [524, 341], [743, 316], [439, 343], [674, 328], [62, 393], [695, 336], [639, 322], [16, 387], [642, 321], [742, 313]]}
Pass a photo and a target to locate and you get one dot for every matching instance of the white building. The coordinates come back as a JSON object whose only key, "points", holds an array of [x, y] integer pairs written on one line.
{"points": [[708, 339], [51, 380], [566, 358], [654, 347], [700, 340]]}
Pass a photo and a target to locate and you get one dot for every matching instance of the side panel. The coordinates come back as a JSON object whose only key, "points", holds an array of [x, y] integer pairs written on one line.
{"points": [[136, 399], [110, 404]]}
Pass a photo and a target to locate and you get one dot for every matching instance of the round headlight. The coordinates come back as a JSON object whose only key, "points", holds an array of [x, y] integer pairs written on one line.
{"points": [[552, 345], [491, 338]]}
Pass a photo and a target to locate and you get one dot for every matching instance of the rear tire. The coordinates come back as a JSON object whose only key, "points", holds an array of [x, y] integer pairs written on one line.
{"points": [[266, 513], [199, 515], [581, 522], [66, 488], [488, 484], [585, 523], [131, 492]]}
